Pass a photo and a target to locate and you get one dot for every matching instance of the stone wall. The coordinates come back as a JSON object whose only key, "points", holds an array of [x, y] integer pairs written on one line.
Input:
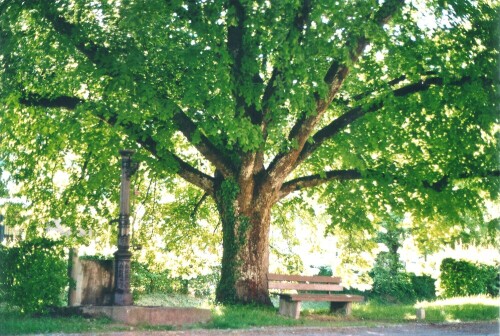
{"points": [[94, 281]]}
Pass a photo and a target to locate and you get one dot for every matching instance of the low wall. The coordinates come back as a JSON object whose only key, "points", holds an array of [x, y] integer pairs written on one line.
{"points": [[94, 281], [135, 315], [94, 292]]}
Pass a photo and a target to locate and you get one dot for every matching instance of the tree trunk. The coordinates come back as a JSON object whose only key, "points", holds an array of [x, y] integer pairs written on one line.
{"points": [[245, 258]]}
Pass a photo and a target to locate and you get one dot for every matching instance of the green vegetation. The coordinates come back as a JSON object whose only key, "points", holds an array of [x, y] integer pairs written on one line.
{"points": [[171, 300], [439, 311], [461, 278], [366, 107], [424, 287], [237, 316], [391, 283], [33, 275], [14, 322], [147, 283]]}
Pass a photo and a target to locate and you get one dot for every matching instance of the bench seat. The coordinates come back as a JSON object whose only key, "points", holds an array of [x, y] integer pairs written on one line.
{"points": [[324, 297], [315, 288]]}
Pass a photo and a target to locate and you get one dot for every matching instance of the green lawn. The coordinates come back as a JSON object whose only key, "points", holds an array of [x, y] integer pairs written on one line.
{"points": [[450, 310], [232, 317], [12, 322]]}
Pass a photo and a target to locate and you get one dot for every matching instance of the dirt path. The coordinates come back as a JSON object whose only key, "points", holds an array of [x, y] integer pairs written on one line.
{"points": [[416, 329]]}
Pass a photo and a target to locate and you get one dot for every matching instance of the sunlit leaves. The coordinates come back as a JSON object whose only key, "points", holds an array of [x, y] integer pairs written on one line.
{"points": [[424, 83], [175, 225]]}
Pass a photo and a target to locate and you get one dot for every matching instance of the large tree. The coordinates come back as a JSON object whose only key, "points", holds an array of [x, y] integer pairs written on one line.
{"points": [[375, 105]]}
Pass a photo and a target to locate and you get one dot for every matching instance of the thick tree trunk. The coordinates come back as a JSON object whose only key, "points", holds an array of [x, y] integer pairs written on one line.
{"points": [[245, 259]]}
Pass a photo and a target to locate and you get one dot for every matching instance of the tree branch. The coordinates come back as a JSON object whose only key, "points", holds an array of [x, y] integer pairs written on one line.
{"points": [[352, 174], [253, 162], [98, 54], [317, 179], [198, 205], [392, 83], [236, 50], [444, 182], [284, 163], [142, 137], [294, 37], [95, 53], [339, 124], [204, 146], [66, 102]]}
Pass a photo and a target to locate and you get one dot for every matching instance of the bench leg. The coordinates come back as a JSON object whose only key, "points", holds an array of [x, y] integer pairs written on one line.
{"points": [[289, 308], [341, 307]]}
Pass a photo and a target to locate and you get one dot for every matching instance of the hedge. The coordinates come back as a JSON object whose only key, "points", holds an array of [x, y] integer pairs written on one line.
{"points": [[463, 278]]}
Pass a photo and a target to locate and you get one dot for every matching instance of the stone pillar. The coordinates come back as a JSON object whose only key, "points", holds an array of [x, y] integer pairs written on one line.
{"points": [[76, 273], [122, 295], [289, 308]]}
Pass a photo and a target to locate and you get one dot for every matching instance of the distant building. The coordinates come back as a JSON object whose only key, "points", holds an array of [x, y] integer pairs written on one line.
{"points": [[6, 233]]}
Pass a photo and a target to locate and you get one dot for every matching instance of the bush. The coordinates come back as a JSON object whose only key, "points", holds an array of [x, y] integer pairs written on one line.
{"points": [[33, 275], [391, 284], [146, 281], [463, 278], [393, 288], [204, 285], [325, 271], [424, 287]]}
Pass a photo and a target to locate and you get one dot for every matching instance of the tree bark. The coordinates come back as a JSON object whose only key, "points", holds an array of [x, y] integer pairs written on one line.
{"points": [[245, 259]]}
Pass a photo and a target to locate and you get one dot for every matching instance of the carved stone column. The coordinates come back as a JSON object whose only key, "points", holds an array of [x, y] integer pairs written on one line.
{"points": [[122, 295]]}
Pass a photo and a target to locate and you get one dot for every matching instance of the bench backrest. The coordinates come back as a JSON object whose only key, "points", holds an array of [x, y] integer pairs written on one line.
{"points": [[302, 282]]}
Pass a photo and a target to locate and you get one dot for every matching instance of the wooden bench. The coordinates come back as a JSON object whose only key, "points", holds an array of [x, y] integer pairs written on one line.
{"points": [[310, 288]]}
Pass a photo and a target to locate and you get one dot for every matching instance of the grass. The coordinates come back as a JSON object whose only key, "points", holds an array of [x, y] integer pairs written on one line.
{"points": [[462, 309], [172, 300], [13, 322], [449, 310], [237, 317]]}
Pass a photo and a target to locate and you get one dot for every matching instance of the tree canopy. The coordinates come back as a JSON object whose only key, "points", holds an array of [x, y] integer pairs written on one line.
{"points": [[372, 107]]}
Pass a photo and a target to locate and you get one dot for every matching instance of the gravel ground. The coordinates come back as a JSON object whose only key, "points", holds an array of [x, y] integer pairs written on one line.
{"points": [[417, 329]]}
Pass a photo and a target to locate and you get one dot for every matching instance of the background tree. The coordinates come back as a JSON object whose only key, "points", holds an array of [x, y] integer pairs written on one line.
{"points": [[391, 283], [371, 104]]}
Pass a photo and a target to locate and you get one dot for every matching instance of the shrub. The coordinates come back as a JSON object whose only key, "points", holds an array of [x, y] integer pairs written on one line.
{"points": [[204, 285], [424, 287], [463, 278], [391, 283], [33, 275], [325, 271], [146, 281], [392, 288]]}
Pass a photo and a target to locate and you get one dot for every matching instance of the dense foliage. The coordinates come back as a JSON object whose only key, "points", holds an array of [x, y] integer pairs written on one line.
{"points": [[368, 106], [463, 278], [33, 275], [147, 281], [392, 284], [144, 281], [390, 281], [424, 287]]}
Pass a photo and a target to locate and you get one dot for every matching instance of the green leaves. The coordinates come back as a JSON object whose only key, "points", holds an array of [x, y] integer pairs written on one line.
{"points": [[415, 116], [23, 270], [463, 278]]}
